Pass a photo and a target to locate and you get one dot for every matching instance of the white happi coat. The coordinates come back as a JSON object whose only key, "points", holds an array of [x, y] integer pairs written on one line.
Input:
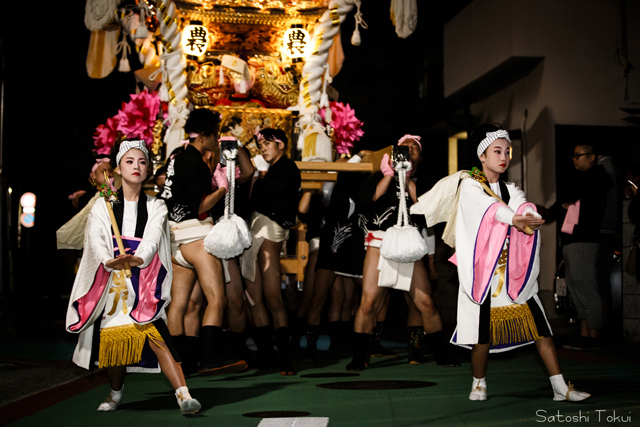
{"points": [[472, 207], [93, 280]]}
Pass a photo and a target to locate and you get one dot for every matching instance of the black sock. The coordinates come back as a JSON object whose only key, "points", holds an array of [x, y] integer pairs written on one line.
{"points": [[211, 341], [283, 337], [263, 338], [238, 345], [438, 341], [360, 351]]}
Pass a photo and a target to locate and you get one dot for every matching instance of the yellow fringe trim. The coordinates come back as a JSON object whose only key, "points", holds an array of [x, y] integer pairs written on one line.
{"points": [[122, 345], [511, 324]]}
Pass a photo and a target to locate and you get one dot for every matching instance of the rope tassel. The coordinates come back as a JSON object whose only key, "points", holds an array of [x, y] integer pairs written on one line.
{"points": [[355, 37], [230, 236], [123, 46], [403, 243]]}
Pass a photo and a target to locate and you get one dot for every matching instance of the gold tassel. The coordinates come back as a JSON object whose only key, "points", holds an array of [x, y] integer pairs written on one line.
{"points": [[512, 324], [122, 345]]}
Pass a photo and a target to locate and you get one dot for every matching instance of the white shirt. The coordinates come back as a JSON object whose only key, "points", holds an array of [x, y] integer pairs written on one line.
{"points": [[129, 218]]}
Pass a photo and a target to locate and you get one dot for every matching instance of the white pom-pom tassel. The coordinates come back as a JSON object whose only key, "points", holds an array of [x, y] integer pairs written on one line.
{"points": [[403, 244], [223, 241], [230, 236], [243, 231]]}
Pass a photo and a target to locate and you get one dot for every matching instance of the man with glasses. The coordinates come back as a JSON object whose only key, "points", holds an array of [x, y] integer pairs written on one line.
{"points": [[583, 203]]}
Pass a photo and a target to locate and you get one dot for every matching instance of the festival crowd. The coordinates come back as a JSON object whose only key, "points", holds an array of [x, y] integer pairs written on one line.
{"points": [[162, 288]]}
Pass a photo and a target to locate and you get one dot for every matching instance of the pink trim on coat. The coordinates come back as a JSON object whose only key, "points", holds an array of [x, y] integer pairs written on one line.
{"points": [[489, 244], [86, 305], [522, 249], [147, 306]]}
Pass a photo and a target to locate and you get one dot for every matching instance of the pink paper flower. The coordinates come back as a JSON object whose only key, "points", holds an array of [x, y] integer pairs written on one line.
{"points": [[347, 127], [137, 117], [135, 120], [105, 136]]}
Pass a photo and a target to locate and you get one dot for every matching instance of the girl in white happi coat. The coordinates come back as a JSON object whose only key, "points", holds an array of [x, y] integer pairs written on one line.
{"points": [[120, 319], [497, 254]]}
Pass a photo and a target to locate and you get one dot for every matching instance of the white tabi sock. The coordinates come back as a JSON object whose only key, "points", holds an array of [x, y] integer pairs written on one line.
{"points": [[112, 401], [562, 391], [478, 389], [188, 405]]}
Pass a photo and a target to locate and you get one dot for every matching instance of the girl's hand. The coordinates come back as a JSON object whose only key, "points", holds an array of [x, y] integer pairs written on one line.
{"points": [[136, 261], [118, 262], [531, 214], [522, 221]]}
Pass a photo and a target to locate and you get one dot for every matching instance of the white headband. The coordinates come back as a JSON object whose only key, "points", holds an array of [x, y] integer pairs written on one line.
{"points": [[492, 136], [128, 145]]}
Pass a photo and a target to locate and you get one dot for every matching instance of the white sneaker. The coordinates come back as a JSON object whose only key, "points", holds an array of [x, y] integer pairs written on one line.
{"points": [[188, 405], [478, 389], [112, 401]]}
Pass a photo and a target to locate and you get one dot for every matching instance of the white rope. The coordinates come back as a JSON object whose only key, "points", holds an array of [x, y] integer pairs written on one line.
{"points": [[355, 37], [324, 98], [230, 236], [174, 77], [403, 243], [321, 41], [403, 217], [359, 19], [174, 115], [229, 198], [162, 70], [123, 46]]}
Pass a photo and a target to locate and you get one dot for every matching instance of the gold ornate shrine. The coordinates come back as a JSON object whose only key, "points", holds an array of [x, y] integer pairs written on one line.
{"points": [[244, 60], [241, 121], [245, 73]]}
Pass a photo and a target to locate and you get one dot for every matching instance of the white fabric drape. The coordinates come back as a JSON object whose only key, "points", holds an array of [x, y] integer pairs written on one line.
{"points": [[404, 15]]}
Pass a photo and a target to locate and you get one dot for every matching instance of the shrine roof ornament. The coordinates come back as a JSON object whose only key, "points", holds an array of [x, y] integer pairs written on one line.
{"points": [[286, 6]]}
